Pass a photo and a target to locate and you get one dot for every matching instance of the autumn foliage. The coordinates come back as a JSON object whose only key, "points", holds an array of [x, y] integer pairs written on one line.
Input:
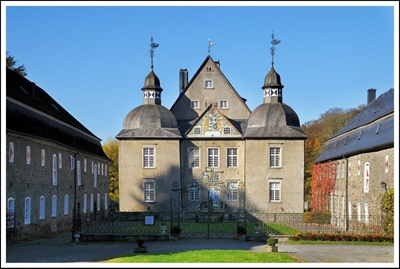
{"points": [[322, 185]]}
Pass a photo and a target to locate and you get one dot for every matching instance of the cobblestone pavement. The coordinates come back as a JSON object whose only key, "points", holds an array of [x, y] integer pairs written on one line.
{"points": [[60, 249]]}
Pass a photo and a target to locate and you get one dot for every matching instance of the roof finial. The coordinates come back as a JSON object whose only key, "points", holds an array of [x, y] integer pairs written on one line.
{"points": [[274, 42], [209, 45], [153, 46]]}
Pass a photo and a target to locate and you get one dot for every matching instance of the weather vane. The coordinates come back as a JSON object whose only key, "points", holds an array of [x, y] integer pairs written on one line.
{"points": [[153, 46], [209, 45], [274, 42]]}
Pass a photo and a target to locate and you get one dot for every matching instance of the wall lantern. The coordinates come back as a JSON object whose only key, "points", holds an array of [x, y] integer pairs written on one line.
{"points": [[383, 185]]}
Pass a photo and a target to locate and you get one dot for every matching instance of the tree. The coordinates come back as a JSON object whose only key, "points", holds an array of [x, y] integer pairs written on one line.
{"points": [[11, 63], [387, 206], [111, 150]]}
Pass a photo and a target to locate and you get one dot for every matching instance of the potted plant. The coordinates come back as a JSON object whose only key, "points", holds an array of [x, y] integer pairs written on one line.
{"points": [[241, 231], [175, 231], [271, 242], [140, 241]]}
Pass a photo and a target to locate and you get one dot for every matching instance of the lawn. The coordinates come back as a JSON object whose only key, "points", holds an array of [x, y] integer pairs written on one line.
{"points": [[208, 256]]}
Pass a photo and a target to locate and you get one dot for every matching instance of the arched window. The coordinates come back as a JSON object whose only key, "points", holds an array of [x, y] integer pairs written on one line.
{"points": [[54, 168], [11, 152], [98, 201], [91, 202], [42, 157], [366, 177], [85, 203], [95, 176], [42, 207], [54, 206], [10, 213], [78, 173], [28, 155], [105, 201], [27, 210], [66, 204]]}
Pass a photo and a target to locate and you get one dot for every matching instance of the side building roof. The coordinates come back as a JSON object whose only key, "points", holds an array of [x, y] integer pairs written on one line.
{"points": [[372, 129], [33, 112]]}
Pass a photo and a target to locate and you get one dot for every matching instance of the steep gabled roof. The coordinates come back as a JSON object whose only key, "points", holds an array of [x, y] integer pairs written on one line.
{"points": [[372, 129], [208, 58], [33, 112]]}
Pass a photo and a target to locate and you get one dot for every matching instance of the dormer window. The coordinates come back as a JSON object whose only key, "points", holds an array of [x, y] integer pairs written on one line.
{"points": [[195, 104]]}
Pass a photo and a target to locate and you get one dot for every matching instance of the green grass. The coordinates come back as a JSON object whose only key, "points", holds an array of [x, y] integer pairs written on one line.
{"points": [[208, 256]]}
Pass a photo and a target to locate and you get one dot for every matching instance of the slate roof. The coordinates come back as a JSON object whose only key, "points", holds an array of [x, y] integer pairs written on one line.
{"points": [[33, 112], [372, 129]]}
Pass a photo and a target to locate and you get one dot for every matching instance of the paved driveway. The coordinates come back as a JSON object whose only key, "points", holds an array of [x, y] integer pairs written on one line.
{"points": [[60, 250]]}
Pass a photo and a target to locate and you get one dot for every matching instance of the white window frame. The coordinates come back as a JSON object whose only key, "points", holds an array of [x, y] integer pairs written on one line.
{"points": [[208, 84], [42, 207], [149, 154], [232, 157], [11, 152], [42, 157], [59, 161], [350, 209], [54, 169], [95, 176], [85, 203], [213, 157], [275, 157], [195, 104], [149, 191], [274, 191], [10, 212], [66, 201], [366, 213], [194, 157], [98, 201], [54, 206], [232, 193], [366, 177], [194, 191], [224, 104], [91, 202], [28, 155], [28, 210], [79, 173]]}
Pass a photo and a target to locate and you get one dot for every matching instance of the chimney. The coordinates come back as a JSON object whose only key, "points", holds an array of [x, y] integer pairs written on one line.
{"points": [[218, 63], [183, 80], [371, 95]]}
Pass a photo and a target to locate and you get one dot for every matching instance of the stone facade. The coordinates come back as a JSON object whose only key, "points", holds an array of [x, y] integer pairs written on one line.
{"points": [[47, 171], [213, 157]]}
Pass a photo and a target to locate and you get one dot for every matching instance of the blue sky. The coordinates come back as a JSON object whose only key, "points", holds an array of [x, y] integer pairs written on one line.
{"points": [[93, 59]]}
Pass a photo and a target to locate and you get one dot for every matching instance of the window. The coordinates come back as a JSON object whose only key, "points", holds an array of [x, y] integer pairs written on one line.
{"points": [[197, 130], [78, 173], [148, 157], [274, 191], [91, 202], [84, 165], [232, 191], [10, 213], [54, 169], [194, 191], [66, 204], [102, 169], [213, 157], [54, 206], [105, 170], [366, 177], [359, 211], [232, 157], [274, 157], [105, 201], [28, 155], [98, 201], [41, 207], [213, 193], [224, 104], [227, 130], [42, 157], [98, 168], [194, 157], [194, 104], [85, 203], [95, 176], [92, 167], [27, 210], [209, 83], [11, 152], [149, 191], [350, 211], [59, 160], [366, 213], [386, 164]]}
